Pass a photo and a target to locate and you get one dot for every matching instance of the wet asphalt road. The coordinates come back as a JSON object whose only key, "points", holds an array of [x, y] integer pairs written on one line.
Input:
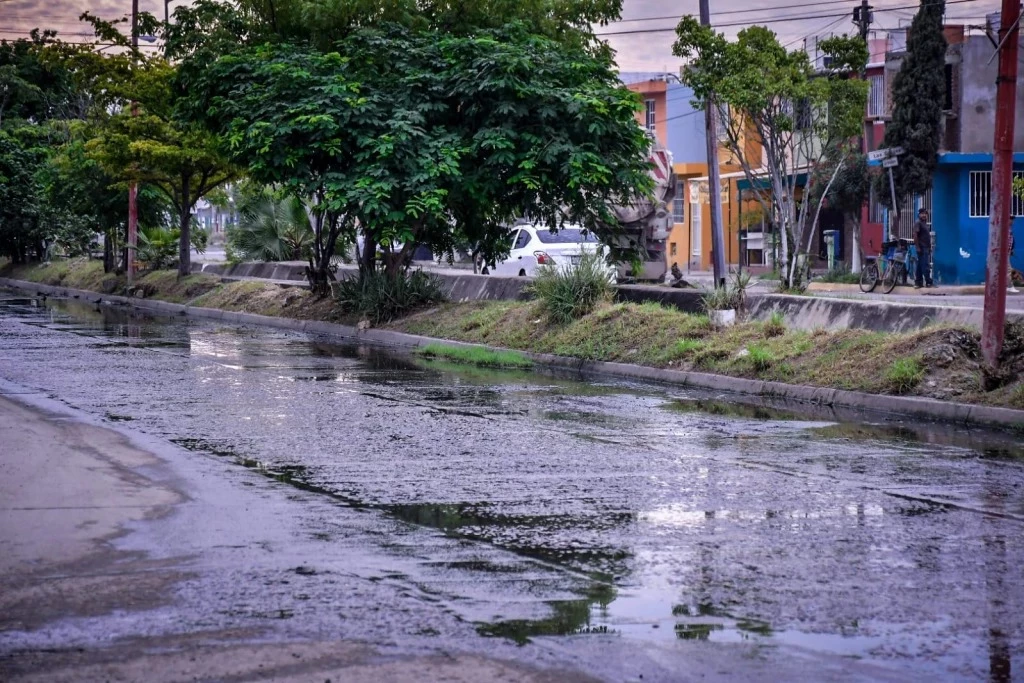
{"points": [[597, 521]]}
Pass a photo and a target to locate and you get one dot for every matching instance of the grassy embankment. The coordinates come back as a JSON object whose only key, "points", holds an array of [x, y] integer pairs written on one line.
{"points": [[939, 362]]}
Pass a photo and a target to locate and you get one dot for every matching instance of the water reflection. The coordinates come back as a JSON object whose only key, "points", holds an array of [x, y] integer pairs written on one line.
{"points": [[653, 512]]}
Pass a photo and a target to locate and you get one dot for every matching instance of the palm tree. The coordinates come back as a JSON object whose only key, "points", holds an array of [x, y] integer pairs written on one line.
{"points": [[271, 228]]}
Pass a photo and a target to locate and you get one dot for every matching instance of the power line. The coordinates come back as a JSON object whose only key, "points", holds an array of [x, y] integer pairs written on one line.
{"points": [[778, 20], [737, 11]]}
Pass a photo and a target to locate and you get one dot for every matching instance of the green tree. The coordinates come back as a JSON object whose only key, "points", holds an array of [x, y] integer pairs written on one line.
{"points": [[799, 116], [21, 195], [423, 137], [918, 94]]}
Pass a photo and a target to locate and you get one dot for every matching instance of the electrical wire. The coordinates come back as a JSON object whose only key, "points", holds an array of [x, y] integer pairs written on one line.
{"points": [[778, 20]]}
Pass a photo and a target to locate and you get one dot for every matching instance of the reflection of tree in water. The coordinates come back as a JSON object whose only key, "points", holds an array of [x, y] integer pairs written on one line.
{"points": [[568, 617]]}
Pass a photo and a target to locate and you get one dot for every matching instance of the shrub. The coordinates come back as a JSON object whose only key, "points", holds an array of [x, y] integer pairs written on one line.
{"points": [[271, 228], [158, 247], [380, 298], [775, 326], [760, 357], [904, 374], [571, 293]]}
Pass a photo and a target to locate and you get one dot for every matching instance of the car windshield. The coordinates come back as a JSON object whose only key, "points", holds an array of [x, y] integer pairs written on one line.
{"points": [[565, 236]]}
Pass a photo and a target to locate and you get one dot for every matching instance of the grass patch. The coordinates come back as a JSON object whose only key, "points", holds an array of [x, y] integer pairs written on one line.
{"points": [[760, 357], [775, 326], [481, 357], [904, 374]]}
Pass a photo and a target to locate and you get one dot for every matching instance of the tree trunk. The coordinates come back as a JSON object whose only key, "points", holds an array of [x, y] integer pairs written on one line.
{"points": [[108, 252], [185, 225]]}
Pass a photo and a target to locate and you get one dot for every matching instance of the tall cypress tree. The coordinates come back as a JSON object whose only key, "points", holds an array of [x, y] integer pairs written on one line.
{"points": [[918, 92]]}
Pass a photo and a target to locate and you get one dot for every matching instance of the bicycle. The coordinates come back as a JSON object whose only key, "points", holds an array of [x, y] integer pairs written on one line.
{"points": [[888, 269]]}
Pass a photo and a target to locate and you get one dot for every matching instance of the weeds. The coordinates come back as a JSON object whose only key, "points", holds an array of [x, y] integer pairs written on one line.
{"points": [[840, 275], [481, 357], [567, 294], [380, 298], [904, 374], [686, 347], [775, 326], [760, 357]]}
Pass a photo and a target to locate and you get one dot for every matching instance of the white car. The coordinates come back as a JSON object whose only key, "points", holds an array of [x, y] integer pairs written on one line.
{"points": [[536, 245]]}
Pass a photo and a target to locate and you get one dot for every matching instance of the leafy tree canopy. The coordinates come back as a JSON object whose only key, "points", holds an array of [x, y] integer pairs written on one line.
{"points": [[775, 97], [422, 136]]}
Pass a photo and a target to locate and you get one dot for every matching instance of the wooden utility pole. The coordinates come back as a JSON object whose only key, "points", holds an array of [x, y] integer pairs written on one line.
{"points": [[714, 181], [998, 264], [133, 189]]}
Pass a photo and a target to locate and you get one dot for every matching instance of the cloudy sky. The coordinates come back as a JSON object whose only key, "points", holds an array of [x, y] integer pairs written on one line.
{"points": [[640, 40]]}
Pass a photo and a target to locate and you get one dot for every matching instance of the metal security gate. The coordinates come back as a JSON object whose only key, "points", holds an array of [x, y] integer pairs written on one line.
{"points": [[908, 214]]}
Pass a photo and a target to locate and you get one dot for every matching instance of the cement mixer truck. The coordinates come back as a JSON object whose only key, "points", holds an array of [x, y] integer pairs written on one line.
{"points": [[645, 223]]}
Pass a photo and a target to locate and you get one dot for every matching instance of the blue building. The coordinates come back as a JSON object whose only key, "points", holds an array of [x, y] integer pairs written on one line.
{"points": [[961, 201]]}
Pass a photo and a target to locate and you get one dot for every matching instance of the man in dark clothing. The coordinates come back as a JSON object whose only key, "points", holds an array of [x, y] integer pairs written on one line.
{"points": [[923, 242]]}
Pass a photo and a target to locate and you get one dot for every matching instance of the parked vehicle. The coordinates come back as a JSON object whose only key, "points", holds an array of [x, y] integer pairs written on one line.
{"points": [[645, 222], [535, 245]]}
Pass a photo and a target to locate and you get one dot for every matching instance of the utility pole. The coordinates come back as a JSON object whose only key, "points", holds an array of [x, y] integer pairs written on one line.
{"points": [[862, 17], [997, 267], [714, 182], [133, 189]]}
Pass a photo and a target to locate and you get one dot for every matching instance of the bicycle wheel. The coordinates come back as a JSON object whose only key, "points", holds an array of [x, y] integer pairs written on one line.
{"points": [[892, 276], [869, 278]]}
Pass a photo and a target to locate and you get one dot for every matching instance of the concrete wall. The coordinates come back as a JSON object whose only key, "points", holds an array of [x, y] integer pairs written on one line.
{"points": [[800, 312], [978, 107]]}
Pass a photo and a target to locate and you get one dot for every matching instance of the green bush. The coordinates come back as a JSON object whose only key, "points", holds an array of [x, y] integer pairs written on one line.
{"points": [[271, 228], [571, 293], [380, 298], [157, 248], [904, 374]]}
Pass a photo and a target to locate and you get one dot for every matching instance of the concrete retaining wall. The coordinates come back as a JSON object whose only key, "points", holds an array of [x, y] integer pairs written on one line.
{"points": [[918, 408], [800, 312]]}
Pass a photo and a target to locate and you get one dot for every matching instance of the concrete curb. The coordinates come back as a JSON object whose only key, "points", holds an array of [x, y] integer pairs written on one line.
{"points": [[941, 290], [908, 406]]}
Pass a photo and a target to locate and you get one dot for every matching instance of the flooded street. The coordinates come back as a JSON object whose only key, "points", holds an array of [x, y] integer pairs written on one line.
{"points": [[603, 527]]}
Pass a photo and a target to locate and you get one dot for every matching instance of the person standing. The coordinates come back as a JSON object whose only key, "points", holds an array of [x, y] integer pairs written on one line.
{"points": [[923, 242]]}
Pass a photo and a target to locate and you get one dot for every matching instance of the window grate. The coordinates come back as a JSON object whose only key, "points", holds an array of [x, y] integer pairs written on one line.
{"points": [[650, 109], [980, 195], [677, 209], [876, 97]]}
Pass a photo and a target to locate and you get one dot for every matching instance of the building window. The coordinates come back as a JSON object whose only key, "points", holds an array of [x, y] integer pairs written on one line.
{"points": [[723, 120], [673, 249], [876, 212], [695, 229], [649, 106], [876, 97], [677, 209], [979, 192]]}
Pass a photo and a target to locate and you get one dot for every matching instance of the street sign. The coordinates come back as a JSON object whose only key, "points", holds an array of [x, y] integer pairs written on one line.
{"points": [[880, 154], [889, 163]]}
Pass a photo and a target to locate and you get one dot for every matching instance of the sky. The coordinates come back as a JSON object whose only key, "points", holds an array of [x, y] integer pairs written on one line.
{"points": [[640, 41]]}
